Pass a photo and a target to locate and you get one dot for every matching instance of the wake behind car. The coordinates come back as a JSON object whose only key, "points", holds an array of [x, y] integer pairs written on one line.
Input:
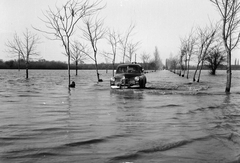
{"points": [[128, 75]]}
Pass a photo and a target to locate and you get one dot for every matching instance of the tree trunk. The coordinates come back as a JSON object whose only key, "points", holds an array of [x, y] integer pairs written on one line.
{"points": [[180, 72], [123, 57], [183, 71], [18, 61], [200, 72], [194, 79], [213, 71], [188, 67], [96, 66], [113, 62], [69, 76], [229, 72], [26, 70], [113, 68], [76, 68]]}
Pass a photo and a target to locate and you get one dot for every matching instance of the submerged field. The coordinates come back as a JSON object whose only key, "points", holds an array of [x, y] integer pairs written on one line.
{"points": [[172, 120]]}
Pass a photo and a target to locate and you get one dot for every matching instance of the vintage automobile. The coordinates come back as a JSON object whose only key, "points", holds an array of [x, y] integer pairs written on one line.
{"points": [[128, 75]]}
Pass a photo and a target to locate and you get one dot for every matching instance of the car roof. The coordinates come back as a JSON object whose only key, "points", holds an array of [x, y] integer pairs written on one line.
{"points": [[128, 64]]}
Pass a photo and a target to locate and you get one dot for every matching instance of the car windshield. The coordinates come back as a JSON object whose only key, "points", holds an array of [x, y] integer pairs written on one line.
{"points": [[129, 69]]}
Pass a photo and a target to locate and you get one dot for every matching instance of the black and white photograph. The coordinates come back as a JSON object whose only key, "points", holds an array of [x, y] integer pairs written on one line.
{"points": [[119, 81]]}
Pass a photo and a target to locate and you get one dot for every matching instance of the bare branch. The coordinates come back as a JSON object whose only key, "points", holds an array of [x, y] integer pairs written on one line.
{"points": [[124, 40]]}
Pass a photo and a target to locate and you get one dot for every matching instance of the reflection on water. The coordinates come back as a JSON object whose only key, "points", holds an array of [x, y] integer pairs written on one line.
{"points": [[172, 120]]}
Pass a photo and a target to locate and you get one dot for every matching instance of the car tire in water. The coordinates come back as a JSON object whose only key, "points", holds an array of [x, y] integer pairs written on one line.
{"points": [[145, 81], [142, 83]]}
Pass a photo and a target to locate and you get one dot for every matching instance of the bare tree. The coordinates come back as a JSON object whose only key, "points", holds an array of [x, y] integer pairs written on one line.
{"points": [[180, 62], [229, 11], [124, 41], [24, 48], [214, 59], [206, 38], [172, 63], [78, 54], [113, 41], [131, 49], [145, 59], [188, 48], [93, 32], [61, 23], [183, 58], [191, 49]]}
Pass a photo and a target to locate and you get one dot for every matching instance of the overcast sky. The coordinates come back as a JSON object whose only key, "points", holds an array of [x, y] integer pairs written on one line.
{"points": [[158, 23]]}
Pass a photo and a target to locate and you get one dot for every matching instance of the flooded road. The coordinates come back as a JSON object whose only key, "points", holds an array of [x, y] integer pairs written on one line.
{"points": [[172, 120]]}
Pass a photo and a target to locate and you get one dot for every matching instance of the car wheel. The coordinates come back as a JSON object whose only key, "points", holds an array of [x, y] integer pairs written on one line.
{"points": [[145, 82], [144, 85], [141, 83]]}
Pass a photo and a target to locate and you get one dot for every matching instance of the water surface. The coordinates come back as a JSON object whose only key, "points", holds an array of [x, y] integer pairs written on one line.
{"points": [[172, 120]]}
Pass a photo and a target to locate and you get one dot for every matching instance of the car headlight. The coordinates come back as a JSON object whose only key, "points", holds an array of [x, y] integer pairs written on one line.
{"points": [[136, 78], [112, 79]]}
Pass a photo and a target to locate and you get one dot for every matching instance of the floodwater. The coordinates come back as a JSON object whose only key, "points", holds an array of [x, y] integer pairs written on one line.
{"points": [[172, 120]]}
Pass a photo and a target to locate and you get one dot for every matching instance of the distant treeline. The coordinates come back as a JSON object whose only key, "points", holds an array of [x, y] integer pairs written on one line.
{"points": [[44, 64], [221, 67]]}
